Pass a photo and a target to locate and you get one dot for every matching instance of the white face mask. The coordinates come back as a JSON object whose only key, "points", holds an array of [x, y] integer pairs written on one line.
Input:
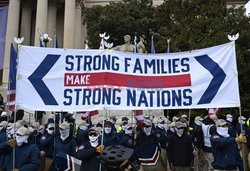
{"points": [[172, 129], [230, 119], [84, 128], [147, 130], [50, 131], [179, 132], [159, 125], [242, 122], [21, 139], [222, 131], [128, 131], [124, 127], [107, 130], [93, 140], [198, 122], [64, 134]]}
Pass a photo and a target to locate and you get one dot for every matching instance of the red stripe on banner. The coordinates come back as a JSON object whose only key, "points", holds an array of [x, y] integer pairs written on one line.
{"points": [[114, 79]]}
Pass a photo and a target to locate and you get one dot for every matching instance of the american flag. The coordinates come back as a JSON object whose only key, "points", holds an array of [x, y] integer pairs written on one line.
{"points": [[213, 111], [139, 117], [86, 114], [11, 94]]}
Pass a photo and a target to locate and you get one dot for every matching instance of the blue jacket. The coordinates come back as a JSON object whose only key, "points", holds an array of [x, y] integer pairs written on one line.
{"points": [[3, 136], [126, 140], [47, 144], [231, 129], [110, 139], [226, 153], [161, 134], [68, 146], [239, 128], [90, 158], [27, 158]]}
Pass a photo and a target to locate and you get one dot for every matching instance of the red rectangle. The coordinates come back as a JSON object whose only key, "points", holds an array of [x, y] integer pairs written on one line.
{"points": [[122, 80]]}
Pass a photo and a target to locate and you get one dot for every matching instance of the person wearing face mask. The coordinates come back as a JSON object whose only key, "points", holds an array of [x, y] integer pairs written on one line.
{"points": [[90, 151], [4, 116], [109, 137], [162, 137], [241, 123], [35, 135], [122, 127], [82, 133], [171, 129], [180, 149], [27, 155], [198, 141], [208, 129], [113, 120], [225, 149], [147, 148], [64, 144], [231, 127], [126, 138], [47, 141]]}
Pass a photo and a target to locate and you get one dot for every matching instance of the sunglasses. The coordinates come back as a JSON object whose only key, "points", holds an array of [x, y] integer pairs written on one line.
{"points": [[51, 128], [18, 135], [223, 126], [146, 126], [93, 134], [180, 128]]}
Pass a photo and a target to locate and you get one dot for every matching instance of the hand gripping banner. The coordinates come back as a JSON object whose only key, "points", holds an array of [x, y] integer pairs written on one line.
{"points": [[84, 80]]}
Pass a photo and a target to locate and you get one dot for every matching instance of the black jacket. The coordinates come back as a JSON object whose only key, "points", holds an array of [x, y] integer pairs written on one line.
{"points": [[90, 159], [180, 150]]}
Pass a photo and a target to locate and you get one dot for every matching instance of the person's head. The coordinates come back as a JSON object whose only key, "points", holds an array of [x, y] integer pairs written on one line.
{"points": [[242, 120], [129, 129], [198, 120], [3, 125], [229, 118], [51, 128], [127, 38], [22, 135], [147, 127], [179, 128], [83, 125], [222, 128], [113, 119], [35, 126], [160, 123], [184, 117], [4, 116], [64, 130], [107, 127], [94, 134], [172, 126], [175, 119]]}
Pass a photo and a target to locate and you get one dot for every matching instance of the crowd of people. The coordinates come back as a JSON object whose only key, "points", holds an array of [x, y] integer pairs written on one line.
{"points": [[154, 145]]}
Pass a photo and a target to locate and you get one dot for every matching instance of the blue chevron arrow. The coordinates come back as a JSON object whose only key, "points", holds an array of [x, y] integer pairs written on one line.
{"points": [[218, 78], [36, 79]]}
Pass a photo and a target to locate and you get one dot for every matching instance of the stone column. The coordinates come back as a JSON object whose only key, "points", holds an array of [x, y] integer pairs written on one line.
{"points": [[69, 23], [78, 26], [26, 24], [12, 31], [41, 18], [51, 24]]}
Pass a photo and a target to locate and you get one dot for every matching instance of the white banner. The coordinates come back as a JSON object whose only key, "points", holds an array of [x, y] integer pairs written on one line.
{"points": [[52, 79]]}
